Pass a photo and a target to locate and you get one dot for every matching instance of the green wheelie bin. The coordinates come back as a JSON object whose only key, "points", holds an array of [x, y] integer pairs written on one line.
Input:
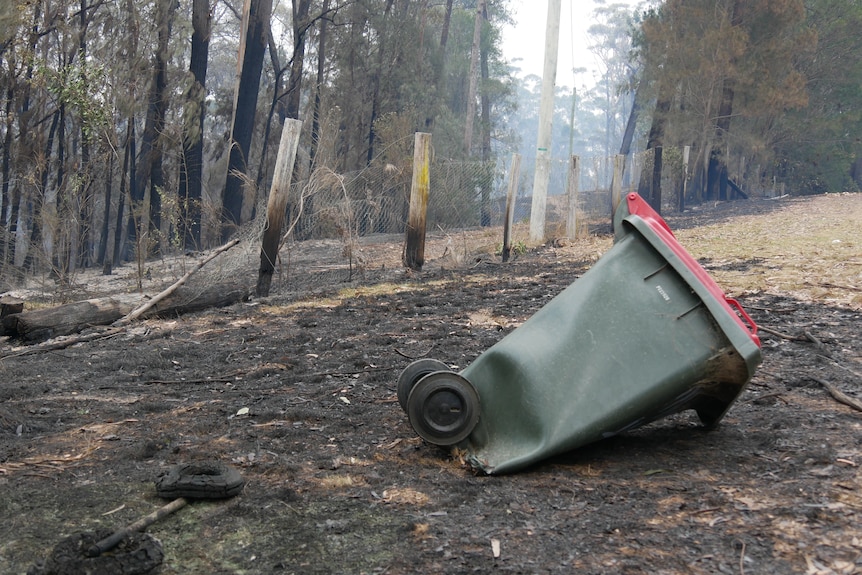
{"points": [[645, 333]]}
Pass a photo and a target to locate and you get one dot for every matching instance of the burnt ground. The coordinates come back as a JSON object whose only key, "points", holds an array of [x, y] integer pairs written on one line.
{"points": [[298, 392]]}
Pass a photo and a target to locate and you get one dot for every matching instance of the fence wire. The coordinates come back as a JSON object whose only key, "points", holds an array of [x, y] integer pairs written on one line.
{"points": [[463, 195]]}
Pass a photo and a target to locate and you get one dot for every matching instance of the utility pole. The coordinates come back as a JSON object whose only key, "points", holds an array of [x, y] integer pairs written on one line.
{"points": [[546, 115]]}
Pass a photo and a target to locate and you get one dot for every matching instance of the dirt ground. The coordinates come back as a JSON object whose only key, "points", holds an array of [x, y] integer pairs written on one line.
{"points": [[297, 391]]}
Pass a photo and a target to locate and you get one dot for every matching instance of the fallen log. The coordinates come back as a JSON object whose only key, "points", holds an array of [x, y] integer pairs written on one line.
{"points": [[40, 325], [10, 305], [185, 299]]}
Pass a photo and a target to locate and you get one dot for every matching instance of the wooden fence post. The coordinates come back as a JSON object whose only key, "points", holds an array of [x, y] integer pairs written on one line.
{"points": [[511, 199], [276, 206], [573, 184], [414, 251], [683, 189]]}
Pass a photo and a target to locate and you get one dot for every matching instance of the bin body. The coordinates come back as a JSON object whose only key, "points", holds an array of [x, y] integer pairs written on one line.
{"points": [[643, 334]]}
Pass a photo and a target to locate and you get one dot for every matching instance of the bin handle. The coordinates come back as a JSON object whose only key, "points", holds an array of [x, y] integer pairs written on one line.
{"points": [[752, 327]]}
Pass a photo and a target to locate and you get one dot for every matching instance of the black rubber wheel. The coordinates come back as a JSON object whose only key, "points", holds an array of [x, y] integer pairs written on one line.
{"points": [[206, 480], [136, 554], [413, 373], [443, 408]]}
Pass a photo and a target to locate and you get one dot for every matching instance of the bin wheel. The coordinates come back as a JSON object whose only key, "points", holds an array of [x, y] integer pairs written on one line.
{"points": [[443, 408], [413, 373]]}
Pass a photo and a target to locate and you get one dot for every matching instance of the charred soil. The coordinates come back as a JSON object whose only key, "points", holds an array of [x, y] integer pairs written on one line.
{"points": [[298, 393]]}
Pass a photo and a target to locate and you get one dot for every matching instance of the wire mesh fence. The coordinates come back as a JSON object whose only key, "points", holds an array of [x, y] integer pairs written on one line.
{"points": [[463, 195], [344, 225]]}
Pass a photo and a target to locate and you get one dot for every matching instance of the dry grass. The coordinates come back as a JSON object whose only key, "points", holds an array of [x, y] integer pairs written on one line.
{"points": [[809, 249]]}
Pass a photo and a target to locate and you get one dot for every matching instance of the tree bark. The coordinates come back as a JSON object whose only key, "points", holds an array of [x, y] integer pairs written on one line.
{"points": [[375, 91], [191, 168], [318, 88], [245, 107], [150, 160], [440, 69], [474, 79], [39, 325], [631, 124], [294, 83], [128, 154], [717, 168], [42, 324], [134, 203], [84, 198], [106, 220], [717, 171], [485, 208], [650, 182], [7, 202]]}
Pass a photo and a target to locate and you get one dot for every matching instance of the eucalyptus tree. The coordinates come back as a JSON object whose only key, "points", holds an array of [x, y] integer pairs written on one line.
{"points": [[818, 147], [610, 39], [723, 61], [252, 49], [194, 116], [403, 66]]}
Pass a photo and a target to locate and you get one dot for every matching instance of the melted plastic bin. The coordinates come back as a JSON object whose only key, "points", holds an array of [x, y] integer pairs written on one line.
{"points": [[645, 333]]}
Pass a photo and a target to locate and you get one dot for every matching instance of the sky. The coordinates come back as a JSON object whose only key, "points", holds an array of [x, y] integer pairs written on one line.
{"points": [[526, 40]]}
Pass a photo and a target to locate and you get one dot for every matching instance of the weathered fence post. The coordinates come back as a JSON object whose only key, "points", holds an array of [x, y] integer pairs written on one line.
{"points": [[414, 251], [276, 206], [683, 189], [573, 184], [617, 183], [511, 199]]}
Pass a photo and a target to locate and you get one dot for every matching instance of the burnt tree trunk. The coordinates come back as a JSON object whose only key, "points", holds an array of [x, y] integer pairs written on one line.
{"points": [[631, 124], [650, 182], [318, 88], [375, 91], [191, 168], [440, 69], [149, 169], [717, 170], [251, 59], [716, 179]]}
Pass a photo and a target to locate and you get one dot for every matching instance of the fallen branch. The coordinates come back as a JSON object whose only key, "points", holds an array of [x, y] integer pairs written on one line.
{"points": [[114, 539], [421, 355], [839, 395], [185, 382], [819, 344], [839, 286], [781, 335], [55, 345], [136, 313]]}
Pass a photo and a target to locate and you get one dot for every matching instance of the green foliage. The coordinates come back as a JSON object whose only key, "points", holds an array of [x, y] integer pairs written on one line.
{"points": [[518, 248], [784, 69], [817, 146], [76, 87]]}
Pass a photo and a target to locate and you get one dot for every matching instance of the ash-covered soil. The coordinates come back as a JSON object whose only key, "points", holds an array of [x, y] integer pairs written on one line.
{"points": [[298, 393]]}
